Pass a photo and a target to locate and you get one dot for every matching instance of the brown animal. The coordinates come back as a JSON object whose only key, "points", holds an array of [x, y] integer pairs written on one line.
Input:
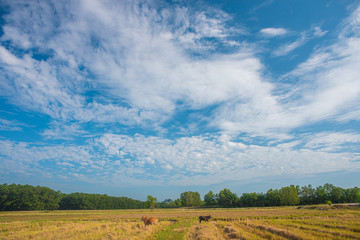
{"points": [[149, 220], [204, 218]]}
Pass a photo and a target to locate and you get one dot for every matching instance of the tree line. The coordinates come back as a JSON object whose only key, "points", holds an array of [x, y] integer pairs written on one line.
{"points": [[16, 197], [285, 196]]}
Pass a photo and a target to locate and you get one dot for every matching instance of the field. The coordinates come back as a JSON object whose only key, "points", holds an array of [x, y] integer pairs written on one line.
{"points": [[311, 222]]}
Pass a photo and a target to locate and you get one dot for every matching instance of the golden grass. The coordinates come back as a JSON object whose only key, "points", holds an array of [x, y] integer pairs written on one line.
{"points": [[80, 230], [204, 231], [249, 223]]}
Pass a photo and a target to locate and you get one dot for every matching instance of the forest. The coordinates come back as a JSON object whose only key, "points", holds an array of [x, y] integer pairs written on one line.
{"points": [[17, 197]]}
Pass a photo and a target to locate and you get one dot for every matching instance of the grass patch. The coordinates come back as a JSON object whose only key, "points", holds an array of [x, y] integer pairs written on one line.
{"points": [[177, 230]]}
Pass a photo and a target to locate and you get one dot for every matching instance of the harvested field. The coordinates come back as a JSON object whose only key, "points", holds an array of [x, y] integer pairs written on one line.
{"points": [[316, 222]]}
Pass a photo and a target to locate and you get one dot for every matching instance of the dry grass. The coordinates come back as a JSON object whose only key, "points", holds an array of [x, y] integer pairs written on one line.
{"points": [[251, 223], [204, 231]]}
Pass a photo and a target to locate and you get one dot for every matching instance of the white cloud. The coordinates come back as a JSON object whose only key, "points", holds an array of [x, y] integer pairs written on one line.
{"points": [[273, 32], [213, 160], [11, 125], [198, 160], [60, 131], [330, 76], [33, 160], [18, 38], [140, 63], [289, 47], [318, 32], [326, 86], [7, 57], [351, 25], [331, 141]]}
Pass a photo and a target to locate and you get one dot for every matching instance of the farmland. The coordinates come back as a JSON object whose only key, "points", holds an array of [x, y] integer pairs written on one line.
{"points": [[310, 222]]}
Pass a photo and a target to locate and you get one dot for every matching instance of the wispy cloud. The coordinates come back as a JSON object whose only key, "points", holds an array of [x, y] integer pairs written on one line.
{"points": [[305, 36], [264, 4], [289, 47], [140, 64], [330, 87], [273, 32], [327, 88], [11, 125], [318, 32], [331, 141]]}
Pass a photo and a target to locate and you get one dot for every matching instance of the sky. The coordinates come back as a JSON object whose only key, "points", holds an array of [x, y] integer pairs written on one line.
{"points": [[136, 98]]}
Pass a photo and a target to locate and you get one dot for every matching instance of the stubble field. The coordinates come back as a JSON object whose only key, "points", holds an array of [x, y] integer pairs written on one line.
{"points": [[312, 222]]}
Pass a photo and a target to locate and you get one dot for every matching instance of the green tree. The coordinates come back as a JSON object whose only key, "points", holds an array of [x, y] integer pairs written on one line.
{"points": [[357, 197], [289, 196], [337, 195], [261, 199], [227, 199], [272, 197], [151, 202], [178, 203], [167, 203], [210, 199], [84, 201], [321, 195], [249, 200], [307, 195], [26, 197], [190, 199], [4, 194], [351, 193]]}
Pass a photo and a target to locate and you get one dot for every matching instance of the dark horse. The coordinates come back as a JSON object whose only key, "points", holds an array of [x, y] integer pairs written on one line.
{"points": [[204, 218]]}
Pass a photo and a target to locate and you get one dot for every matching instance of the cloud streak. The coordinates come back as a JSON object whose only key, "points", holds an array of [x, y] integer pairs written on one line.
{"points": [[287, 48], [273, 32]]}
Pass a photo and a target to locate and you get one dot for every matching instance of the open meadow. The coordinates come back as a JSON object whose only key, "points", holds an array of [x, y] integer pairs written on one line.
{"points": [[310, 222]]}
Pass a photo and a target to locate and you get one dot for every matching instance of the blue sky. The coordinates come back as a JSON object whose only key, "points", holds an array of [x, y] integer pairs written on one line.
{"points": [[132, 98]]}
